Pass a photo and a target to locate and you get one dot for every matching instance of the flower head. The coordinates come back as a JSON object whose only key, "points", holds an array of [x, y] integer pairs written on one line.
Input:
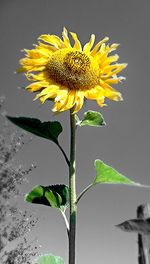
{"points": [[67, 74]]}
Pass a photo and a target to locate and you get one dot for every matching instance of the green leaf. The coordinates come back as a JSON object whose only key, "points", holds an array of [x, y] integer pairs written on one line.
{"points": [[49, 130], [55, 196], [107, 174], [91, 118], [50, 259]]}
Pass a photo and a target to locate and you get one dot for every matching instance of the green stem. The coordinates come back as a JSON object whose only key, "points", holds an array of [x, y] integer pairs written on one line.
{"points": [[64, 154], [72, 188], [84, 191]]}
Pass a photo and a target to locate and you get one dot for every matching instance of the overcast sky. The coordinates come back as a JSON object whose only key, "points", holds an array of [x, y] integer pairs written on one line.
{"points": [[124, 143]]}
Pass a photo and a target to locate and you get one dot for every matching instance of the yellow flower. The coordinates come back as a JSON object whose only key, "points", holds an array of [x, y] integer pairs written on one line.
{"points": [[67, 73]]}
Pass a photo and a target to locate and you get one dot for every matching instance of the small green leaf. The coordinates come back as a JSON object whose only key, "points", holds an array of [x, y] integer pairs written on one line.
{"points": [[91, 118], [106, 174], [50, 259], [55, 196], [49, 130]]}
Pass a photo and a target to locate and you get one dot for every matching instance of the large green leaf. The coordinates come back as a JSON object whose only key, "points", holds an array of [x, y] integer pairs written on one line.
{"points": [[50, 259], [107, 174], [55, 196], [49, 130], [91, 118]]}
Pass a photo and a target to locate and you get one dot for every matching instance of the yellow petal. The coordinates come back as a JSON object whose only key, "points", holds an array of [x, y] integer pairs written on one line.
{"points": [[87, 47], [36, 86], [65, 37], [47, 96], [115, 96], [106, 86], [94, 93], [33, 62], [38, 77], [101, 55], [64, 103], [79, 101], [36, 53], [49, 92], [110, 92], [113, 69], [114, 80], [61, 95], [77, 44], [32, 68], [94, 51], [56, 107], [101, 101], [110, 59], [60, 100], [47, 48], [113, 47], [69, 102], [52, 40]]}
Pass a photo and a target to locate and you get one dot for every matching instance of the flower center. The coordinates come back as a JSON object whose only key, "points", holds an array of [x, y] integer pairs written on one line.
{"points": [[77, 62], [73, 69]]}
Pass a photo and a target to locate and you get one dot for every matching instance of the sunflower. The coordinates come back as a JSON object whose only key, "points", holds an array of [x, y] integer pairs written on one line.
{"points": [[67, 74]]}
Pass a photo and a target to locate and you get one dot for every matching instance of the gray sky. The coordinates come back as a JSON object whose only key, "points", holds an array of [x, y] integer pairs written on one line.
{"points": [[124, 143]]}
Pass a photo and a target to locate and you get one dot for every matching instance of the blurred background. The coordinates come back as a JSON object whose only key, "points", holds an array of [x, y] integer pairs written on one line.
{"points": [[124, 143]]}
